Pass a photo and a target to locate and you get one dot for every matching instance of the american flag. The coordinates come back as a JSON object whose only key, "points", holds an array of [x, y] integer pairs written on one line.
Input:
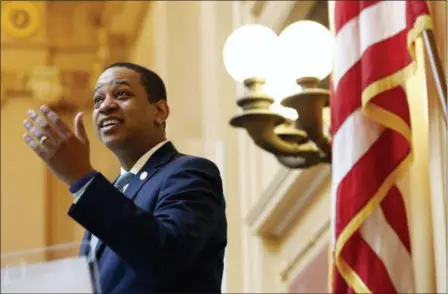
{"points": [[370, 246]]}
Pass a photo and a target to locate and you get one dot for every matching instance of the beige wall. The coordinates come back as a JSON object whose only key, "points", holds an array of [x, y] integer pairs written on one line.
{"points": [[438, 13], [23, 194]]}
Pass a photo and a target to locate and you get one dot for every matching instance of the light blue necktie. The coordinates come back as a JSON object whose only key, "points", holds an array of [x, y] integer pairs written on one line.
{"points": [[123, 180]]}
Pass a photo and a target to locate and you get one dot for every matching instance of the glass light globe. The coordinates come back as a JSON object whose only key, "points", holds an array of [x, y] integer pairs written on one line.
{"points": [[307, 50], [250, 52], [281, 86]]}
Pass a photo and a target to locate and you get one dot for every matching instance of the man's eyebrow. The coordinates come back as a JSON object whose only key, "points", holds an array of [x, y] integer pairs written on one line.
{"points": [[114, 83]]}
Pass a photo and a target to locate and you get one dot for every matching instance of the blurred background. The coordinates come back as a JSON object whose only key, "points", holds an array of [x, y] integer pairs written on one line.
{"points": [[53, 51]]}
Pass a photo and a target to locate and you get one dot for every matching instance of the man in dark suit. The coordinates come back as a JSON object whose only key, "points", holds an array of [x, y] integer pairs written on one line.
{"points": [[161, 226]]}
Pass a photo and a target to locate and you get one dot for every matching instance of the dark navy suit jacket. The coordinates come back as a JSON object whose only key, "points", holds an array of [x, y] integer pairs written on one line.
{"points": [[166, 233]]}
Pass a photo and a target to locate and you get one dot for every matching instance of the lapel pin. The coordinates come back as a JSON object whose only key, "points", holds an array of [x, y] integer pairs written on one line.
{"points": [[143, 175]]}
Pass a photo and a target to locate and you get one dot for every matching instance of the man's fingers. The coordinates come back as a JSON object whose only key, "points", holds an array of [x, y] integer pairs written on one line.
{"points": [[42, 151], [80, 129], [32, 129], [43, 145], [62, 129], [38, 134], [42, 124]]}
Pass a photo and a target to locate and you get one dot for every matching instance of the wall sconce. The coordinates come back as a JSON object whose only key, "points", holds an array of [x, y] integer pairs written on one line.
{"points": [[282, 105]]}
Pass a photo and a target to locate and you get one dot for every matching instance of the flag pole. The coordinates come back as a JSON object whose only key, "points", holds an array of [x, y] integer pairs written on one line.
{"points": [[437, 70]]}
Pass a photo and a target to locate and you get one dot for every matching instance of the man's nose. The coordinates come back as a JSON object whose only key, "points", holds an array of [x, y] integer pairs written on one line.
{"points": [[108, 104]]}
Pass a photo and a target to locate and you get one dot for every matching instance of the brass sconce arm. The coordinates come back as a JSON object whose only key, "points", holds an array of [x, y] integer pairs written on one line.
{"points": [[279, 136], [313, 157], [309, 104], [261, 125]]}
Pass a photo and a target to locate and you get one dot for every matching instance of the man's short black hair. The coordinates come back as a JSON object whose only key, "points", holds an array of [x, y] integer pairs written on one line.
{"points": [[153, 84]]}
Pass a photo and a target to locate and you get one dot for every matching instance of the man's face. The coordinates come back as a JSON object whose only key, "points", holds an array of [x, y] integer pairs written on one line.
{"points": [[122, 113]]}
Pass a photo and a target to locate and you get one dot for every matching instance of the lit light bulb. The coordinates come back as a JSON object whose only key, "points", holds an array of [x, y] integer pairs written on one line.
{"points": [[307, 50], [286, 112], [249, 52], [281, 86]]}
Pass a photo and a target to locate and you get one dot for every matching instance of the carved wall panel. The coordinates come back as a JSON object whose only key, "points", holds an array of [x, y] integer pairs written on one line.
{"points": [[72, 89], [78, 39], [23, 21], [313, 278]]}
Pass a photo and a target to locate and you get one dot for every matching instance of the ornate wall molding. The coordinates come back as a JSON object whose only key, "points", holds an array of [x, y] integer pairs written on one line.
{"points": [[132, 13], [320, 236], [255, 7], [278, 14], [284, 199], [275, 13], [72, 88], [21, 20]]}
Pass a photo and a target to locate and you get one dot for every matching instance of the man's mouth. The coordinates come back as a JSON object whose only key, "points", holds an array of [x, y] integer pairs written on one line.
{"points": [[110, 122]]}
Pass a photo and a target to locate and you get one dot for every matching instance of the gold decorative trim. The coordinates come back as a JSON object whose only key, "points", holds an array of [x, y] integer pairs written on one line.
{"points": [[20, 19]]}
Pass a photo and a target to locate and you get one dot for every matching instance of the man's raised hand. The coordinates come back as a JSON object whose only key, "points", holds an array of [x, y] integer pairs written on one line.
{"points": [[66, 153]]}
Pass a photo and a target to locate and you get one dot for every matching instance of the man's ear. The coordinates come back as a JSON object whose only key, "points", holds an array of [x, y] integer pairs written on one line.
{"points": [[163, 111]]}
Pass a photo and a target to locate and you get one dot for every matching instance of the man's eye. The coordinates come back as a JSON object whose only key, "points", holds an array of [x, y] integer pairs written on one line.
{"points": [[97, 100], [122, 93]]}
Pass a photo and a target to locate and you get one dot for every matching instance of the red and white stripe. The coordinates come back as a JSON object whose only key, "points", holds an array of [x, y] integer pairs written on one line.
{"points": [[371, 44]]}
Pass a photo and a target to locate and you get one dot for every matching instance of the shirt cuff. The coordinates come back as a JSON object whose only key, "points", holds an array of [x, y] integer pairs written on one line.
{"points": [[80, 192], [82, 182]]}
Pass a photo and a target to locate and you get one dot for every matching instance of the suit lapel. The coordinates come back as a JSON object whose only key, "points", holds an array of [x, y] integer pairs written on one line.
{"points": [[158, 159]]}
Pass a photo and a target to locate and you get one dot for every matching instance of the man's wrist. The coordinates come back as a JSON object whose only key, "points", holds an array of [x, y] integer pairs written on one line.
{"points": [[81, 182]]}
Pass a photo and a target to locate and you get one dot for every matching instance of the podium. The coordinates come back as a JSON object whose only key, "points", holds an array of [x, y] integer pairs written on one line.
{"points": [[54, 269]]}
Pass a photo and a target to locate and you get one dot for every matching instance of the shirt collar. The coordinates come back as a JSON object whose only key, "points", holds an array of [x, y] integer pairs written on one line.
{"points": [[142, 160]]}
